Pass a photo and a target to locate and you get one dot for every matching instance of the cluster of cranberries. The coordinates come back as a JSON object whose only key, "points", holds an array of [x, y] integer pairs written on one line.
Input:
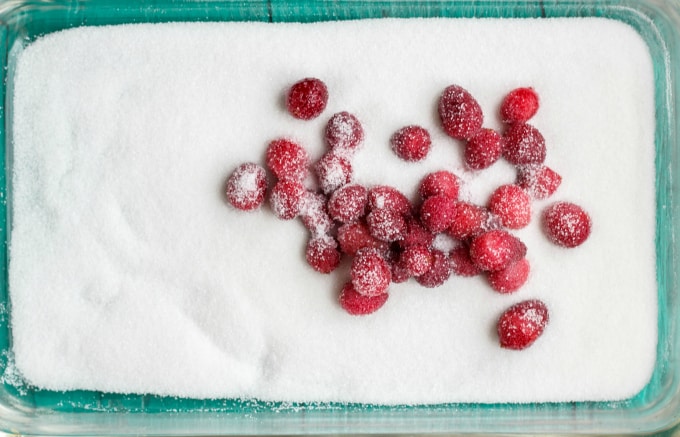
{"points": [[390, 238]]}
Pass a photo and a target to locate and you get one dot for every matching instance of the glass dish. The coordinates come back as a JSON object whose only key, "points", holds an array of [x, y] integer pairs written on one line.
{"points": [[25, 410]]}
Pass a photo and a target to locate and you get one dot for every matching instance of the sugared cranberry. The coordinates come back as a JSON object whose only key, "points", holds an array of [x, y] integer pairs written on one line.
{"points": [[460, 113], [371, 274], [519, 105], [386, 197], [333, 171], [439, 272], [386, 225], [511, 278], [411, 143], [566, 224], [286, 198], [461, 264], [483, 149], [348, 204], [287, 159], [344, 133], [524, 144], [246, 187], [440, 182], [495, 250], [322, 254], [307, 98], [359, 305], [538, 180], [521, 324], [355, 236], [437, 213], [512, 205], [416, 260]]}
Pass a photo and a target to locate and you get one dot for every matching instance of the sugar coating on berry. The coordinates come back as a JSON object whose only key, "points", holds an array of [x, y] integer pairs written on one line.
{"points": [[416, 260], [348, 203], [461, 263], [322, 254], [524, 144], [344, 132], [470, 220], [386, 225], [314, 214], [519, 105], [286, 198], [511, 278], [440, 182], [287, 159], [566, 224], [495, 250], [386, 197], [512, 205], [411, 143], [460, 114], [333, 171], [355, 236], [437, 213], [399, 273], [538, 180], [439, 272], [416, 234], [483, 149], [359, 305], [371, 274], [246, 187], [307, 98], [521, 324]]}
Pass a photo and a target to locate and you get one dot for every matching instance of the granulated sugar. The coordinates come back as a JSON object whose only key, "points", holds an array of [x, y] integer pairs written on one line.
{"points": [[130, 273]]}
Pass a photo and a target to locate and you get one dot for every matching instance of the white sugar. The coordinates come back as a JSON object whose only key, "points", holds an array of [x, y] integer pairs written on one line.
{"points": [[130, 273]]}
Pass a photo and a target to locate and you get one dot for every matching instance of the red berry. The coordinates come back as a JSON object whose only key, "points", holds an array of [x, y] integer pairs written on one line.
{"points": [[524, 144], [246, 186], [416, 234], [307, 99], [370, 273], [566, 224], [519, 105], [461, 264], [322, 254], [538, 180], [314, 215], [287, 159], [286, 198], [512, 205], [386, 225], [333, 171], [348, 204], [437, 213], [344, 132], [416, 260], [438, 273], [483, 149], [521, 324], [440, 182], [460, 113], [469, 220], [355, 236], [399, 273], [360, 305], [411, 143], [495, 250], [386, 197], [510, 278]]}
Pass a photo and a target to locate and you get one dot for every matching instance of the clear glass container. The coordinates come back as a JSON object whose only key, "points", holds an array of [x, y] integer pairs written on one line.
{"points": [[25, 410]]}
